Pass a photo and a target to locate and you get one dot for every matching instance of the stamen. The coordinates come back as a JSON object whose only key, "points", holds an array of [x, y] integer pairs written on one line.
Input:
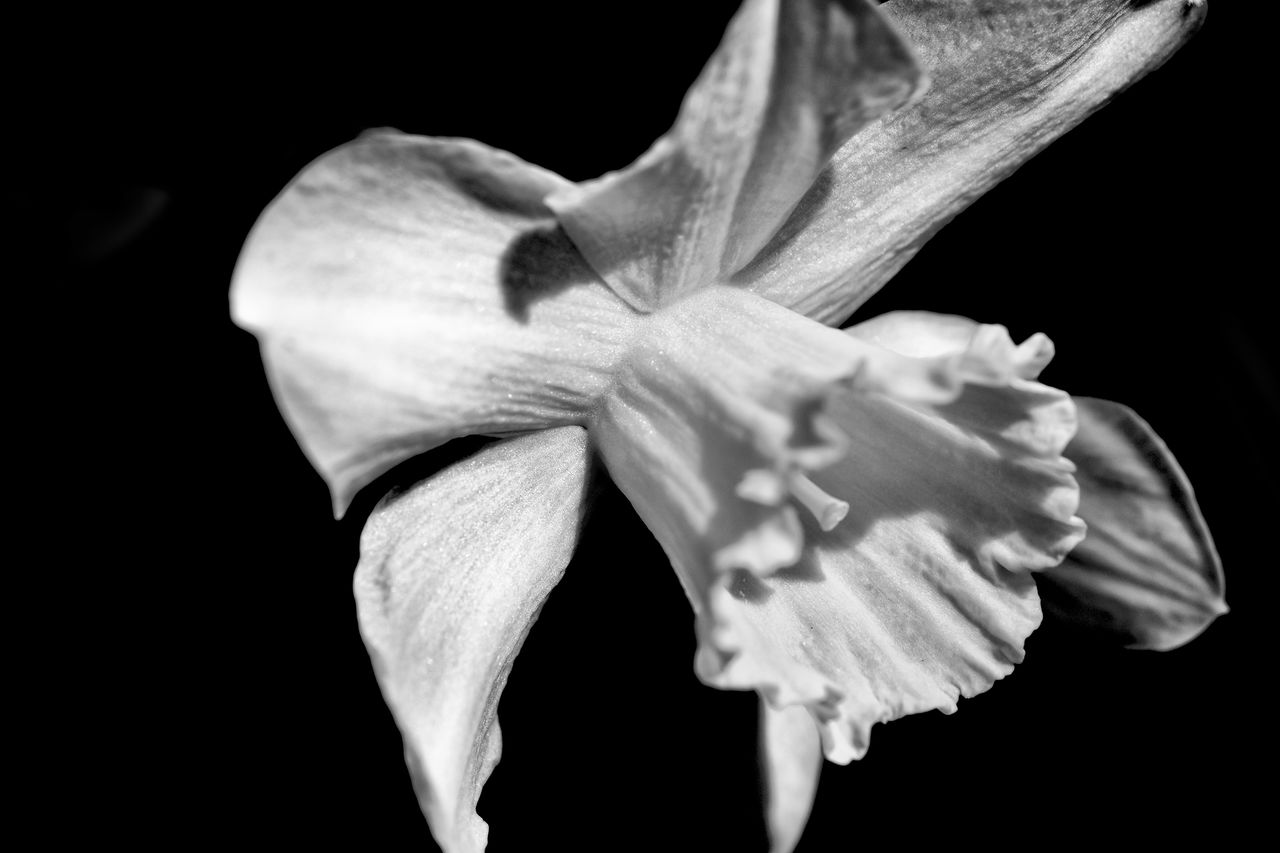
{"points": [[827, 510]]}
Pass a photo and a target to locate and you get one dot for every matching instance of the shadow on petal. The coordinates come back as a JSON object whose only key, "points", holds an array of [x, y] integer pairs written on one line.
{"points": [[807, 569], [813, 203], [745, 586], [404, 476], [538, 264]]}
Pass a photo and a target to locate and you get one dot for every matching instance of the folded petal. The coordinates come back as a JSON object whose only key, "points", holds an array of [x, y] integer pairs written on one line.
{"points": [[1148, 572], [791, 759], [715, 421], [452, 575], [924, 334], [1007, 77], [790, 82], [409, 290], [921, 594]]}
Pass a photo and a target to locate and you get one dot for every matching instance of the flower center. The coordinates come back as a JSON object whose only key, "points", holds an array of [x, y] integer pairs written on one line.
{"points": [[715, 418]]}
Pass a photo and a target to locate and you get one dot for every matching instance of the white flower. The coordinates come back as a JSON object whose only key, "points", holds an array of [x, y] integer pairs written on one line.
{"points": [[855, 514]]}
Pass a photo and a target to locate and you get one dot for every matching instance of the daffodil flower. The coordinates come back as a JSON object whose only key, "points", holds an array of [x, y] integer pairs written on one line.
{"points": [[855, 515]]}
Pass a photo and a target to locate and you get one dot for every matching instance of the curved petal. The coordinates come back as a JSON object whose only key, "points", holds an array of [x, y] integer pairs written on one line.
{"points": [[715, 422], [791, 755], [790, 82], [924, 334], [409, 290], [1007, 78], [1148, 572], [452, 574], [922, 594]]}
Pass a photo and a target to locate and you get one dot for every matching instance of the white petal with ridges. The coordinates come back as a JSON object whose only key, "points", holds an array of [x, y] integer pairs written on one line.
{"points": [[1007, 78], [408, 290], [790, 82], [714, 426], [1148, 572], [452, 574], [921, 595]]}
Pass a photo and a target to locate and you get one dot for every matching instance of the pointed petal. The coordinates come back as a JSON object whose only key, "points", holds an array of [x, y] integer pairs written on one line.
{"points": [[790, 82], [409, 290], [791, 755], [1148, 572], [1007, 78], [452, 574], [715, 421], [921, 594]]}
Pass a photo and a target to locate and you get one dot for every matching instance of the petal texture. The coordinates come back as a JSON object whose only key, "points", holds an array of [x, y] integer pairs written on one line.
{"points": [[791, 755], [1007, 77], [921, 594], [715, 421], [790, 82], [452, 574], [1148, 572], [409, 290]]}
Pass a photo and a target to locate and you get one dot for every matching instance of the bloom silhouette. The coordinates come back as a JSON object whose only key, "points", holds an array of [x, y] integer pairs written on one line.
{"points": [[854, 515]]}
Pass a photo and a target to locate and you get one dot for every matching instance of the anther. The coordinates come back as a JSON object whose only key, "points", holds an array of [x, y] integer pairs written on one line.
{"points": [[827, 510]]}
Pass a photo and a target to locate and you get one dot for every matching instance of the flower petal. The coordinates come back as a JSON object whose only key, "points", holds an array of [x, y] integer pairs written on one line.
{"points": [[921, 595], [790, 82], [714, 423], [924, 334], [452, 575], [408, 290], [791, 755], [1007, 78], [1148, 572]]}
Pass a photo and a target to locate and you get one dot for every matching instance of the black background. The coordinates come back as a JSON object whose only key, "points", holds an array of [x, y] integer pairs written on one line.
{"points": [[218, 686]]}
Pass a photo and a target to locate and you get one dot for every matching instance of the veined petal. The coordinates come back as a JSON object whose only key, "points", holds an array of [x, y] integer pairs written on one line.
{"points": [[791, 759], [408, 290], [452, 575], [921, 594], [790, 82], [715, 422], [1148, 572], [1007, 78]]}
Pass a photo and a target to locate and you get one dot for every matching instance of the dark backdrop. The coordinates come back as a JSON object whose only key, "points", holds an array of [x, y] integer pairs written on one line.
{"points": [[229, 693]]}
